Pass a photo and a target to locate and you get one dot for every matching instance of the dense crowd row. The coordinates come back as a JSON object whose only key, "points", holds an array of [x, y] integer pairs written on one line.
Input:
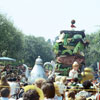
{"points": [[55, 88]]}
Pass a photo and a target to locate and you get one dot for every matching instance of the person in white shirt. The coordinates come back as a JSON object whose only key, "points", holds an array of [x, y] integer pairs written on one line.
{"points": [[14, 88], [74, 72]]}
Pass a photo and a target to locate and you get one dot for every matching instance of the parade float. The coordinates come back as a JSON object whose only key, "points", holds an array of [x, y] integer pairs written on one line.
{"points": [[69, 47]]}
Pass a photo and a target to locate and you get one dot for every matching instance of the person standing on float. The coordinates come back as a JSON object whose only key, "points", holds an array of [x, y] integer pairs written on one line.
{"points": [[74, 72]]}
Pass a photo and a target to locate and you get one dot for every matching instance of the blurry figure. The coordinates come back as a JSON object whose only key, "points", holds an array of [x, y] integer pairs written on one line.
{"points": [[86, 85], [87, 74], [74, 82], [5, 94], [39, 82], [71, 95], [14, 87], [99, 77], [33, 87], [74, 72], [49, 91], [60, 86], [81, 98], [23, 79], [31, 95], [4, 83]]}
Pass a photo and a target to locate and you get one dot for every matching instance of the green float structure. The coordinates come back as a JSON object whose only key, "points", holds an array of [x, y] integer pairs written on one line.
{"points": [[69, 47]]}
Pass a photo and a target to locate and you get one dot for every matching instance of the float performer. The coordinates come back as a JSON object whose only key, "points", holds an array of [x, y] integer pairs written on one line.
{"points": [[74, 72]]}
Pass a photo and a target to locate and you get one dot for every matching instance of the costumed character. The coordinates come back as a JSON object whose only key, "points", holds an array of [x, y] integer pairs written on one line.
{"points": [[74, 72], [87, 74]]}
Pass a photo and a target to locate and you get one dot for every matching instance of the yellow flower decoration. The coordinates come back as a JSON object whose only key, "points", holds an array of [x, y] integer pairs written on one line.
{"points": [[33, 87]]}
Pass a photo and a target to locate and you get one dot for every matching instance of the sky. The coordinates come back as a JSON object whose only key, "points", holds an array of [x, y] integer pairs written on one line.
{"points": [[48, 17]]}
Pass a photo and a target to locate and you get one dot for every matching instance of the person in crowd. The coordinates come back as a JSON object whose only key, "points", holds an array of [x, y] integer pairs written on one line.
{"points": [[23, 78], [31, 95], [70, 95], [57, 92], [63, 79], [4, 83], [60, 82], [33, 87], [74, 82], [14, 87], [5, 94], [20, 94], [81, 98], [49, 91], [85, 91], [39, 82], [51, 79]]}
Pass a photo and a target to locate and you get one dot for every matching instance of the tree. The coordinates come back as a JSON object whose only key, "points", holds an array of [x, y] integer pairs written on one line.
{"points": [[21, 47], [92, 53], [11, 39], [35, 47]]}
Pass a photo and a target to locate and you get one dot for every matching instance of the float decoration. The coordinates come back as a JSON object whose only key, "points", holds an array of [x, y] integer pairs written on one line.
{"points": [[69, 47]]}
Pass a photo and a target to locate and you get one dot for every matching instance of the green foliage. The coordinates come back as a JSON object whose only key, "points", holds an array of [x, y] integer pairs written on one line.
{"points": [[92, 53], [35, 47], [25, 49], [10, 38]]}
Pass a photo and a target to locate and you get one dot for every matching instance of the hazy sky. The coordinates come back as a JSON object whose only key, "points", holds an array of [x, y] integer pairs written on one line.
{"points": [[47, 17]]}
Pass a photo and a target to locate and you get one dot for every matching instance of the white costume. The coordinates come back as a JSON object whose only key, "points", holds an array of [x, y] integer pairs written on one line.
{"points": [[73, 74]]}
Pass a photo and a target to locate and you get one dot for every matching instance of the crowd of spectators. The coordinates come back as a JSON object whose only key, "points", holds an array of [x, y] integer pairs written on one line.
{"points": [[14, 86]]}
